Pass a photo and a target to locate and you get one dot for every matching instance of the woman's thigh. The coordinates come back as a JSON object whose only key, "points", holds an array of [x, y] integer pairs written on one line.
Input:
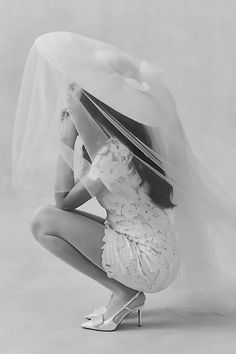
{"points": [[83, 230]]}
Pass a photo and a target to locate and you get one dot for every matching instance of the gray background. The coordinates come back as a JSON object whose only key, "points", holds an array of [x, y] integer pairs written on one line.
{"points": [[44, 300]]}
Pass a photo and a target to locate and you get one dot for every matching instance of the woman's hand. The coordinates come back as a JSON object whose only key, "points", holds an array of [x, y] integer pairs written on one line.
{"points": [[73, 99], [68, 130]]}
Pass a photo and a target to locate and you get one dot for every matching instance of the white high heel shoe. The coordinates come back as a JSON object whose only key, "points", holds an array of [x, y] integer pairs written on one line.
{"points": [[99, 324]]}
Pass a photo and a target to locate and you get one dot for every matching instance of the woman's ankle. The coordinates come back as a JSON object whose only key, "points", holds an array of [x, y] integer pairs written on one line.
{"points": [[125, 292]]}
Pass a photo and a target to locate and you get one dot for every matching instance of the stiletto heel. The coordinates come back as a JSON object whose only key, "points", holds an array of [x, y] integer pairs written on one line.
{"points": [[139, 317]]}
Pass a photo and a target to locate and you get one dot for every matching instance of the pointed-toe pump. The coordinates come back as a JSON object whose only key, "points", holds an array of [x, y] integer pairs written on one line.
{"points": [[99, 324]]}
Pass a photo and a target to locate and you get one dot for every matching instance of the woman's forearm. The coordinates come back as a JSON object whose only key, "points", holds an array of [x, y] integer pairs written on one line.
{"points": [[73, 193], [64, 178]]}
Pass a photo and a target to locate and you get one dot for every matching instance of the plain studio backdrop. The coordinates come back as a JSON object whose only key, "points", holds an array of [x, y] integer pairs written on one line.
{"points": [[43, 300]]}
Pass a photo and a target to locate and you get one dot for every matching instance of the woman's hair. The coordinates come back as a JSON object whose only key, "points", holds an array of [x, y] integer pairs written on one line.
{"points": [[160, 191]]}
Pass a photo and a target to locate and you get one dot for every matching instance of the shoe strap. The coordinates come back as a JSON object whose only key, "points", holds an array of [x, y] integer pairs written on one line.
{"points": [[136, 308], [131, 300], [127, 308]]}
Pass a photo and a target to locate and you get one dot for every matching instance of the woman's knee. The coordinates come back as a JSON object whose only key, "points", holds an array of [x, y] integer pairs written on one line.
{"points": [[41, 219]]}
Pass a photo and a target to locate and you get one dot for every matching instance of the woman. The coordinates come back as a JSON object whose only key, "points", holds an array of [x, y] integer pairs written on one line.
{"points": [[57, 229], [164, 211]]}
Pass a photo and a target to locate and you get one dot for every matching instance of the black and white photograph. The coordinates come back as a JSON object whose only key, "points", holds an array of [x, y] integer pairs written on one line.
{"points": [[118, 176]]}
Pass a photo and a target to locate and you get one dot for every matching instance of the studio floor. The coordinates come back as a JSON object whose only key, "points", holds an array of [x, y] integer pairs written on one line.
{"points": [[44, 300]]}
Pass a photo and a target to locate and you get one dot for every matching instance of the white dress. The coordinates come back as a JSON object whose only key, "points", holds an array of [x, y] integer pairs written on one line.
{"points": [[140, 248]]}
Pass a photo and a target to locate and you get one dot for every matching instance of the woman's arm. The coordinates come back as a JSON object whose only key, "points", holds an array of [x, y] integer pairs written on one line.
{"points": [[76, 194]]}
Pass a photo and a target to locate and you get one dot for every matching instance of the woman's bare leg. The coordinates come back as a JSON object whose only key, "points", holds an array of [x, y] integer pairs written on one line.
{"points": [[76, 237]]}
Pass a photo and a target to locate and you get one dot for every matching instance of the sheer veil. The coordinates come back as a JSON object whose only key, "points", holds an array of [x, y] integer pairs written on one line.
{"points": [[204, 219]]}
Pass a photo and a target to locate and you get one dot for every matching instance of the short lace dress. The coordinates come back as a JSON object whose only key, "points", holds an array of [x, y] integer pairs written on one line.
{"points": [[140, 247]]}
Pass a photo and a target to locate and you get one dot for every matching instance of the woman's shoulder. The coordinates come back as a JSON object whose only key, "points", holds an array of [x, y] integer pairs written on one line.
{"points": [[117, 146], [111, 160], [114, 147], [113, 153]]}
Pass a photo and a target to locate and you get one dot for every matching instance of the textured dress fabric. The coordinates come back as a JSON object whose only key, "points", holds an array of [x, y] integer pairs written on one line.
{"points": [[140, 246]]}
